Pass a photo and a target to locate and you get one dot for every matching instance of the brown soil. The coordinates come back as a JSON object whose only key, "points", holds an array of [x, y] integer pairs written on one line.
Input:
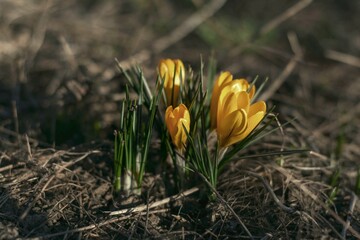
{"points": [[59, 104]]}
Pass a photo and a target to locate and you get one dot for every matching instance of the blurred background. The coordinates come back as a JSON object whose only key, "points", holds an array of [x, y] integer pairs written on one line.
{"points": [[59, 82], [60, 95]]}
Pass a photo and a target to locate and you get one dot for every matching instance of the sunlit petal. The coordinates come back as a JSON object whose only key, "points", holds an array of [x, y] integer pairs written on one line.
{"points": [[176, 120], [243, 101], [234, 123], [252, 123], [224, 79], [230, 111], [257, 107], [172, 72], [228, 104]]}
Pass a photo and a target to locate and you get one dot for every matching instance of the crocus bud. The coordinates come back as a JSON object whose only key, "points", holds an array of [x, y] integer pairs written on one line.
{"points": [[177, 120], [172, 72]]}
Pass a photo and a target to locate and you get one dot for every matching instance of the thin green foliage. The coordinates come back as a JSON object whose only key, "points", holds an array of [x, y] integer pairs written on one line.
{"points": [[198, 154], [340, 142], [201, 153], [132, 141], [211, 74], [357, 184], [259, 90], [334, 183]]}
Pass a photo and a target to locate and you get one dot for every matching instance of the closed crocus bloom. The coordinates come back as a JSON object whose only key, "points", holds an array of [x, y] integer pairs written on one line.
{"points": [[172, 71], [176, 120], [236, 117], [237, 85]]}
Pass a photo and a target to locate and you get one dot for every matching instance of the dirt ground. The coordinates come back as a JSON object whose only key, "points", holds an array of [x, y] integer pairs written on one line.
{"points": [[60, 94]]}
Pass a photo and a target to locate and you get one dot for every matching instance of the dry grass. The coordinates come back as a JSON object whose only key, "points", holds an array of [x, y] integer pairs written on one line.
{"points": [[60, 91]]}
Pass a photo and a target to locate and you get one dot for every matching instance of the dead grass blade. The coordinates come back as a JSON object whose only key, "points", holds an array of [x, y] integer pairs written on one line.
{"points": [[145, 207], [276, 84], [290, 12], [227, 206], [310, 194], [343, 58]]}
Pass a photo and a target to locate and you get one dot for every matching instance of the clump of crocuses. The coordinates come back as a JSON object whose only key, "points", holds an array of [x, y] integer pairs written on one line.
{"points": [[186, 116]]}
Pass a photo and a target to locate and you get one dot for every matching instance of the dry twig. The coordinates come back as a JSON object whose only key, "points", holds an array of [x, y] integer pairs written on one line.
{"points": [[343, 58], [276, 84], [228, 206], [155, 204], [92, 226], [317, 200], [269, 189], [353, 201], [290, 12]]}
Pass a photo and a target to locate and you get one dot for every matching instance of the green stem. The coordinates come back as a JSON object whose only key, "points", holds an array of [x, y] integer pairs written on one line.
{"points": [[180, 166], [117, 184], [221, 154]]}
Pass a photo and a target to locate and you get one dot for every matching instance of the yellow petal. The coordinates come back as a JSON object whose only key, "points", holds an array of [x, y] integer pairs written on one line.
{"points": [[224, 79], [182, 109], [170, 120], [252, 91], [257, 107], [176, 120], [173, 74], [180, 71], [240, 123], [180, 137], [229, 100], [239, 85], [251, 125], [185, 112], [234, 123], [162, 68], [225, 96], [253, 121], [179, 111], [243, 101]]}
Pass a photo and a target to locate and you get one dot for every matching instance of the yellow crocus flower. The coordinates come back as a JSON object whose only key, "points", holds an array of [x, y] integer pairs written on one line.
{"points": [[225, 79], [172, 71], [236, 118], [177, 120]]}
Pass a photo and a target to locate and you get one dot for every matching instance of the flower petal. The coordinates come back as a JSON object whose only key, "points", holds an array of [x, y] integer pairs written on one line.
{"points": [[239, 85], [170, 120], [173, 74], [176, 120], [233, 123], [224, 79], [257, 107], [243, 101], [180, 137], [251, 125], [180, 71]]}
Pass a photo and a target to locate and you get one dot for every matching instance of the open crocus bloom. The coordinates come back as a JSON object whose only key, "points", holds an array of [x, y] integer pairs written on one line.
{"points": [[236, 118], [225, 79], [176, 120], [173, 74]]}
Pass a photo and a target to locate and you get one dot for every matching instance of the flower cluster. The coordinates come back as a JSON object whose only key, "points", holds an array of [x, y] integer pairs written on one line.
{"points": [[232, 115], [192, 120]]}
